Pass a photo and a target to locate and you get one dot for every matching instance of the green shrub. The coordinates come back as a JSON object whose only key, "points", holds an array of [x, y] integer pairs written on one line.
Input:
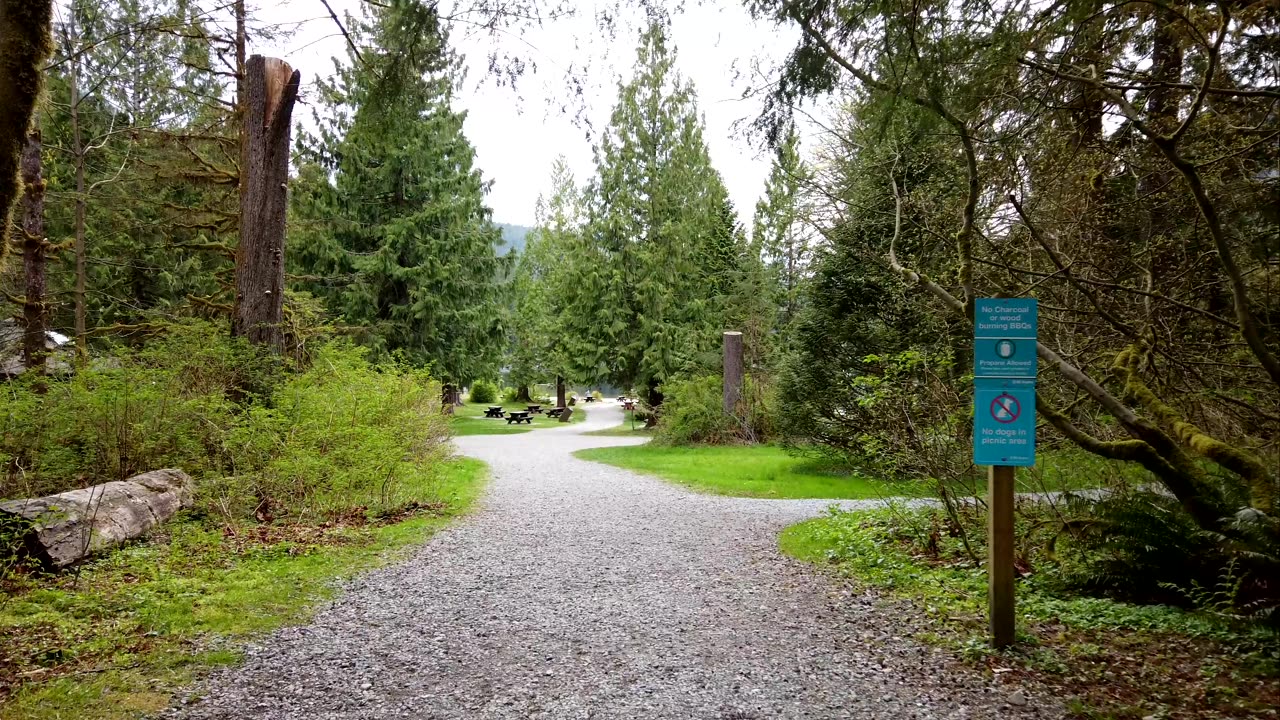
{"points": [[341, 436], [169, 404], [483, 391], [1142, 546], [692, 412]]}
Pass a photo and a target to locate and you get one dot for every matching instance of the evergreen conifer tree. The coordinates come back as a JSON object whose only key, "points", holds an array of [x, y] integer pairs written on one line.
{"points": [[392, 228]]}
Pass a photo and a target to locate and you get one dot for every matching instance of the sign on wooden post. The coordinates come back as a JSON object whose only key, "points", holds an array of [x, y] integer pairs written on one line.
{"points": [[1004, 433]]}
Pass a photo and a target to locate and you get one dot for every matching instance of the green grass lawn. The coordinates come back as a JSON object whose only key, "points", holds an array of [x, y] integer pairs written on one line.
{"points": [[116, 639], [470, 420], [768, 471], [763, 471], [624, 430]]}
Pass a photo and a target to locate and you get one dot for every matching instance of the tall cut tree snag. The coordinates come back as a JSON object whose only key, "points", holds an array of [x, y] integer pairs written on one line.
{"points": [[271, 89], [732, 371]]}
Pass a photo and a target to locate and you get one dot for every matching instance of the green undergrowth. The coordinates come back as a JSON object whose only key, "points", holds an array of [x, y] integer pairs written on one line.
{"points": [[1110, 659], [469, 419], [115, 639], [763, 471]]}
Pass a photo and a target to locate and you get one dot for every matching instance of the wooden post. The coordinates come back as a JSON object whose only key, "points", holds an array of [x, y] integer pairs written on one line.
{"points": [[1000, 555], [271, 87], [560, 392], [732, 371]]}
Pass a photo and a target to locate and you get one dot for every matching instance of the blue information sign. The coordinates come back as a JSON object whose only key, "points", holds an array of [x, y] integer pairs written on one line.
{"points": [[1004, 422], [1004, 338], [1004, 383]]}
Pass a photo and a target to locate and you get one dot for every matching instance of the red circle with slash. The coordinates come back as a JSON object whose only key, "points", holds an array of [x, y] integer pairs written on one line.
{"points": [[1010, 406]]}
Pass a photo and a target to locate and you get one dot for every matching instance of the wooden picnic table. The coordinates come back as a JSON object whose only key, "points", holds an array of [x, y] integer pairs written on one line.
{"points": [[494, 411], [519, 416], [555, 412], [535, 409], [589, 398], [628, 405]]}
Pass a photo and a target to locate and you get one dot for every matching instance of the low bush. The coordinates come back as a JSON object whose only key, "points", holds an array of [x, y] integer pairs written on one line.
{"points": [[259, 439], [692, 412], [169, 404], [905, 415], [483, 391], [340, 436]]}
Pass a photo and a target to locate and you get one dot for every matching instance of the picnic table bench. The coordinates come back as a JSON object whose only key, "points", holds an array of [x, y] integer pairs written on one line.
{"points": [[494, 411], [519, 416], [628, 404], [589, 398], [534, 409], [555, 412]]}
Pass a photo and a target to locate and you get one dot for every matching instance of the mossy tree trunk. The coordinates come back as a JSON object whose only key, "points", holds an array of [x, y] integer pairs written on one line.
{"points": [[34, 251], [25, 42]]}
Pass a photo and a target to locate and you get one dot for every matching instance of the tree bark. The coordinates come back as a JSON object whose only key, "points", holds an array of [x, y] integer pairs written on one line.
{"points": [[78, 153], [64, 529], [732, 372], [25, 42], [522, 394], [34, 248], [560, 392], [271, 89]]}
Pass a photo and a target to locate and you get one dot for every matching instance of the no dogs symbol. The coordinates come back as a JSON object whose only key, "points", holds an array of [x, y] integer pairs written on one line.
{"points": [[1005, 408]]}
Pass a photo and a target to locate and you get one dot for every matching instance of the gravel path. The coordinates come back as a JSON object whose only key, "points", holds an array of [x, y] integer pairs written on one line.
{"points": [[584, 591]]}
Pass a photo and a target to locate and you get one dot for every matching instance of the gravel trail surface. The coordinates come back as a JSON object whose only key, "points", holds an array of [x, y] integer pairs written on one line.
{"points": [[579, 590]]}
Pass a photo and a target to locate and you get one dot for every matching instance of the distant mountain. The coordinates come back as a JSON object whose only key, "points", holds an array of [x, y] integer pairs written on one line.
{"points": [[513, 236]]}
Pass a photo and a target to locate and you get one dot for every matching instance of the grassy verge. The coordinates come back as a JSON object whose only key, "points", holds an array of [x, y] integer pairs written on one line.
{"points": [[115, 640], [763, 471], [768, 471], [470, 420], [1108, 659], [624, 430]]}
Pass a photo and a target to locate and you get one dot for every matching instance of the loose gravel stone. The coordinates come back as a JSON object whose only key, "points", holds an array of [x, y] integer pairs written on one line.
{"points": [[579, 590]]}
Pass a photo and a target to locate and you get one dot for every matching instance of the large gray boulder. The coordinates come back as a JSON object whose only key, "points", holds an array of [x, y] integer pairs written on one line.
{"points": [[65, 528]]}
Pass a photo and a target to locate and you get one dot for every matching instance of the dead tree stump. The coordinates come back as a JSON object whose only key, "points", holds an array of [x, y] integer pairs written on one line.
{"points": [[732, 371], [271, 89]]}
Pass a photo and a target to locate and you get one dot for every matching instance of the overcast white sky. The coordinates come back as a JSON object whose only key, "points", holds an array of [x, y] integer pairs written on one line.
{"points": [[518, 132]]}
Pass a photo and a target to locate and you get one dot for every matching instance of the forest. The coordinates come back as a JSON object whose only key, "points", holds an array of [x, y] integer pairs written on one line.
{"points": [[1119, 162]]}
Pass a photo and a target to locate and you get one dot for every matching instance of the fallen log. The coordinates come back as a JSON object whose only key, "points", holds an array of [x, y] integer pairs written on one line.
{"points": [[61, 530]]}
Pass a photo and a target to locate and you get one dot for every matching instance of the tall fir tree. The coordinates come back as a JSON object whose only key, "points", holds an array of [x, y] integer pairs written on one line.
{"points": [[141, 174], [647, 305], [778, 232], [540, 349], [391, 229]]}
